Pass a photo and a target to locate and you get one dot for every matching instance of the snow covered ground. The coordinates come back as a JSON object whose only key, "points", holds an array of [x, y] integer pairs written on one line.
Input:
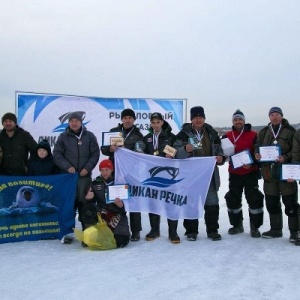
{"points": [[237, 267]]}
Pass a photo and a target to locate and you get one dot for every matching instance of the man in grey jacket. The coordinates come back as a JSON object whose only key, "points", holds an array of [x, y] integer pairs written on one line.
{"points": [[198, 139], [77, 150]]}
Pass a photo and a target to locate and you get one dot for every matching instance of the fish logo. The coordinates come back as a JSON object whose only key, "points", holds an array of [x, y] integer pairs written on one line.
{"points": [[65, 118], [160, 181]]}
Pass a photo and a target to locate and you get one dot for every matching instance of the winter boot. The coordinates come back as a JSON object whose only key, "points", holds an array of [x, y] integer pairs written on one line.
{"points": [[135, 236], [294, 229], [154, 223], [276, 227], [254, 232], [211, 217], [173, 236], [236, 229]]}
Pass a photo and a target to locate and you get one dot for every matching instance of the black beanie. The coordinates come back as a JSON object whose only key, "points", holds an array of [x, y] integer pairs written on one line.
{"points": [[44, 144], [197, 111], [127, 112], [9, 116]]}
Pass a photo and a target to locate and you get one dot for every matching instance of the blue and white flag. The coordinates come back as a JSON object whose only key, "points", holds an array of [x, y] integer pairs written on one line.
{"points": [[175, 188]]}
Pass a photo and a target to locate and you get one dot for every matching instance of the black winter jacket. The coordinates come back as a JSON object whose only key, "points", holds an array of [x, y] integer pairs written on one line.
{"points": [[16, 150], [166, 137], [131, 138]]}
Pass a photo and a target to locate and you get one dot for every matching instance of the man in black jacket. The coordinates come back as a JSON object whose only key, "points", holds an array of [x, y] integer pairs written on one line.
{"points": [[131, 135], [16, 144]]}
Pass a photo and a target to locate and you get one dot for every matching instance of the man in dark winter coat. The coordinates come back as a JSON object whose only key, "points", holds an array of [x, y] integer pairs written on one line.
{"points": [[160, 135], [200, 139], [16, 144], [77, 150], [278, 133], [131, 135], [244, 177]]}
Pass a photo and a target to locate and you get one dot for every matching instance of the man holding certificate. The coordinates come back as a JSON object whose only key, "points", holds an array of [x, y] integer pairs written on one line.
{"points": [[274, 148], [112, 211], [243, 175], [131, 138], [156, 141]]}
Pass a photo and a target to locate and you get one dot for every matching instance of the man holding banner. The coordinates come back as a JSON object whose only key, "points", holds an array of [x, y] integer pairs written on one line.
{"points": [[199, 139], [131, 135]]}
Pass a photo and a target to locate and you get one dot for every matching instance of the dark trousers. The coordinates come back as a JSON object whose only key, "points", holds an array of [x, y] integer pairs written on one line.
{"points": [[247, 183], [135, 222]]}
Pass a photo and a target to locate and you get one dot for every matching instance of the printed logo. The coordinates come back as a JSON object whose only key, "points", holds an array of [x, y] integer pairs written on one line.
{"points": [[160, 181]]}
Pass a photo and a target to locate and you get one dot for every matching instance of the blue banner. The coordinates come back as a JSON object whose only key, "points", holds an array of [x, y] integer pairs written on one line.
{"points": [[36, 207]]}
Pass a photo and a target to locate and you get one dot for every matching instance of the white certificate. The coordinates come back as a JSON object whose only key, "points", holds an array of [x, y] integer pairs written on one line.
{"points": [[269, 153], [117, 191], [107, 137], [227, 146], [290, 171], [241, 158]]}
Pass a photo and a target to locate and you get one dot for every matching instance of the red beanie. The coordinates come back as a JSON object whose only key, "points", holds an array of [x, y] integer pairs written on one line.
{"points": [[106, 163]]}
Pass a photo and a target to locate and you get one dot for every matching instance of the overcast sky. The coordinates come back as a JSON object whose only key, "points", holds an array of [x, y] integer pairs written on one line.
{"points": [[222, 55]]}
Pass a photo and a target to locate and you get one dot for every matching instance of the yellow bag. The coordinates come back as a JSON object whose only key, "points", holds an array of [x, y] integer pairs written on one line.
{"points": [[97, 237]]}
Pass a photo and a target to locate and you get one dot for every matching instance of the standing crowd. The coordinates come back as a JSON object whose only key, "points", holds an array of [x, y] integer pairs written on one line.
{"points": [[77, 151]]}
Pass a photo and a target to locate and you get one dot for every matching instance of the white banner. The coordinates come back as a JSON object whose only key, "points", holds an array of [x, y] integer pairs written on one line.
{"points": [[175, 188]]}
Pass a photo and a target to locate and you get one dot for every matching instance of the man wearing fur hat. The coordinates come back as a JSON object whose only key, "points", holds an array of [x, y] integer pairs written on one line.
{"points": [[131, 135], [278, 133], [243, 178], [16, 144], [77, 150], [200, 139]]}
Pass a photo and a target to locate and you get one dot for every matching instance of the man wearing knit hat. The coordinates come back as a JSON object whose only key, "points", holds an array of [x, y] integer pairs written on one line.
{"points": [[278, 133], [244, 178], [77, 151], [200, 139], [131, 135], [16, 144]]}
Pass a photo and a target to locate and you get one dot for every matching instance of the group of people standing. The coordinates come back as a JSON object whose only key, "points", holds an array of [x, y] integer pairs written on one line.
{"points": [[77, 151]]}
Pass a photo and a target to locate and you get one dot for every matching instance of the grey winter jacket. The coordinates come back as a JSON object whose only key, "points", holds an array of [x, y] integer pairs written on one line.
{"points": [[69, 153]]}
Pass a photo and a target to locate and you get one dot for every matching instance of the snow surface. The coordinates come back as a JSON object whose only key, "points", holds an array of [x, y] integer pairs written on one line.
{"points": [[237, 267]]}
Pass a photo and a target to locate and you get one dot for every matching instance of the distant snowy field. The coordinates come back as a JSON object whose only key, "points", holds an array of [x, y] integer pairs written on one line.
{"points": [[237, 267]]}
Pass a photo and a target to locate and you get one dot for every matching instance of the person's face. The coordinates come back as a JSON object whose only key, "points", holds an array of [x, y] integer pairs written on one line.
{"points": [[238, 124], [9, 125], [75, 125], [156, 125], [198, 122], [105, 172], [128, 122], [275, 118], [42, 153]]}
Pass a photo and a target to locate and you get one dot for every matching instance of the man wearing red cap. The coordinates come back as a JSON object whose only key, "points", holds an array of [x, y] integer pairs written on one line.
{"points": [[278, 133], [113, 213], [16, 144], [131, 135]]}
